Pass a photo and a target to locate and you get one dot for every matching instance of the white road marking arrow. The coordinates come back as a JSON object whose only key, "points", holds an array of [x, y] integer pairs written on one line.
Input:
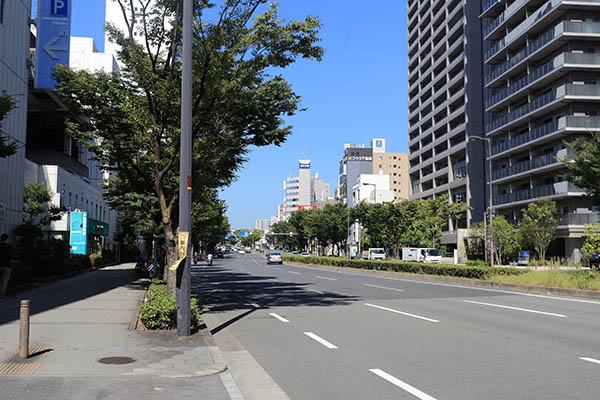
{"points": [[50, 49]]}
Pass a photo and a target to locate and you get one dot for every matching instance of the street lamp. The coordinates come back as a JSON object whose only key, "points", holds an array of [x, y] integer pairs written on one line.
{"points": [[489, 146]]}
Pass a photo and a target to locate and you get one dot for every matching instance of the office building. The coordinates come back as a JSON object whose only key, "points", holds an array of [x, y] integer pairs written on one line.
{"points": [[303, 191], [372, 189], [357, 160], [14, 53], [445, 93], [541, 74], [395, 165]]}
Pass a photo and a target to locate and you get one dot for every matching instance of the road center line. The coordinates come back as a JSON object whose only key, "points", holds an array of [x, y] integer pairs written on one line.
{"points": [[279, 317], [592, 360], [401, 312], [516, 308], [402, 385], [383, 287], [324, 277], [255, 305], [320, 340], [294, 272]]}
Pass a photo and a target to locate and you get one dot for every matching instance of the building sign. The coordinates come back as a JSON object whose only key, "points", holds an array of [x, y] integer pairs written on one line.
{"points": [[360, 158], [53, 37], [78, 237], [307, 207], [244, 234], [97, 228], [304, 165]]}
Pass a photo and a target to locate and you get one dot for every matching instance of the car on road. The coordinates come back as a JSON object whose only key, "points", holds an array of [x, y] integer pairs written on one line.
{"points": [[247, 250], [593, 261], [274, 257], [305, 254]]}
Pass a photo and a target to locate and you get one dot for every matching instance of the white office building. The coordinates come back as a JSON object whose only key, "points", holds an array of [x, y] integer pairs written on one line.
{"points": [[373, 189], [14, 52], [304, 192]]}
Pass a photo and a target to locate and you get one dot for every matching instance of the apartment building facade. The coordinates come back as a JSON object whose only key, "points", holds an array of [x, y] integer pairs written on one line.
{"points": [[445, 93], [395, 166], [542, 88]]}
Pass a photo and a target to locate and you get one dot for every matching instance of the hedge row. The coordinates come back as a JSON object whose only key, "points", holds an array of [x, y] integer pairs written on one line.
{"points": [[159, 310], [472, 272]]}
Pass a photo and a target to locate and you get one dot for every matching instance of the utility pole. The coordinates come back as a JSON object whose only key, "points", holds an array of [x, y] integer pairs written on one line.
{"points": [[183, 293]]}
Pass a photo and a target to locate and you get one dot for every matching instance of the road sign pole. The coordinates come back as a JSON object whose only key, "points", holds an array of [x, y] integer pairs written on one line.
{"points": [[183, 292]]}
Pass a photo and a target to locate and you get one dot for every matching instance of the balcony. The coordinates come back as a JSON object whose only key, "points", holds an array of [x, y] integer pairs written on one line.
{"points": [[552, 189], [560, 62], [590, 92], [492, 8], [563, 28], [534, 163], [504, 16], [578, 219]]}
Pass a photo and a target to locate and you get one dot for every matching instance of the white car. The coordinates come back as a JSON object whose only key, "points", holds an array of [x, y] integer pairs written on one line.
{"points": [[274, 257]]}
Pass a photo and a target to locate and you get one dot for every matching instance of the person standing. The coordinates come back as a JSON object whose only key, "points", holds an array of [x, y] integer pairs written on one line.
{"points": [[7, 253]]}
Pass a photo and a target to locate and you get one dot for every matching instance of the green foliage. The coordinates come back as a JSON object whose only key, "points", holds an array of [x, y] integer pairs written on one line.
{"points": [[476, 263], [36, 208], [574, 279], [472, 272], [592, 239], [7, 147], [583, 164], [159, 311], [538, 226], [133, 116], [506, 239]]}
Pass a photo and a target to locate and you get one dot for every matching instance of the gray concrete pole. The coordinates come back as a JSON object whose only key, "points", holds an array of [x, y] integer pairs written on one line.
{"points": [[185, 174], [24, 330]]}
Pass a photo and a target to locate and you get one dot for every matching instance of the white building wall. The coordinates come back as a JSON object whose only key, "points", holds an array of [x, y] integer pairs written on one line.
{"points": [[372, 188], [84, 55], [14, 51]]}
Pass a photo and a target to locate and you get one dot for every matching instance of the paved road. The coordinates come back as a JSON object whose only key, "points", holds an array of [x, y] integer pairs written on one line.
{"points": [[324, 334]]}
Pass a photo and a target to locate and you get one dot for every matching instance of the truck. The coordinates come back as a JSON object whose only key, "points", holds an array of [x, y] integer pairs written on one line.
{"points": [[421, 254], [376, 253]]}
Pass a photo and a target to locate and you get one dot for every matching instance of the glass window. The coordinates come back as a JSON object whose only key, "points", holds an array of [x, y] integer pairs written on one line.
{"points": [[1, 11]]}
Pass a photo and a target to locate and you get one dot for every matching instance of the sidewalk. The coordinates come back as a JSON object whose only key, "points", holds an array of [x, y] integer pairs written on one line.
{"points": [[82, 327]]}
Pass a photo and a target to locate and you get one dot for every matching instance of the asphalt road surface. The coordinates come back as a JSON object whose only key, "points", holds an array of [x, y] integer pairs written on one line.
{"points": [[324, 334]]}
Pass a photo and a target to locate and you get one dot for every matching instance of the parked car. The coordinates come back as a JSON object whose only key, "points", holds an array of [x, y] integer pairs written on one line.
{"points": [[593, 261], [305, 254], [376, 253], [274, 257]]}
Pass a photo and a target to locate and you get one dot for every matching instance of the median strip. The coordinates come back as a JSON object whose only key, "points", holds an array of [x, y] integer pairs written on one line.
{"points": [[516, 308], [401, 312], [321, 340], [278, 317], [384, 287], [402, 385]]}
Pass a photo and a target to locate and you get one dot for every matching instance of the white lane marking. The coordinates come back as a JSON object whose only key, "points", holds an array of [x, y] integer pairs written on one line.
{"points": [[592, 360], [255, 305], [383, 287], [543, 296], [402, 385], [516, 308], [324, 277], [279, 317], [315, 290], [401, 312], [278, 269], [320, 340], [293, 272]]}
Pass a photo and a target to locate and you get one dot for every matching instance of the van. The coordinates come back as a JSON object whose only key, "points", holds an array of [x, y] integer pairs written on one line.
{"points": [[421, 254], [376, 253]]}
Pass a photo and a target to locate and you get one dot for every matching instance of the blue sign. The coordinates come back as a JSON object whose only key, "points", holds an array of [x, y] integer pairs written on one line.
{"points": [[78, 237], [228, 236], [244, 234], [53, 40], [304, 165]]}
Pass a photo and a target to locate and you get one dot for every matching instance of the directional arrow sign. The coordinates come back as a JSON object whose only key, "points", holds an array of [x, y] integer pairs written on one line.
{"points": [[50, 49]]}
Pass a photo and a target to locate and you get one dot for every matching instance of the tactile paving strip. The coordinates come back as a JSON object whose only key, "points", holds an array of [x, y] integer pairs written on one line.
{"points": [[18, 368], [32, 350]]}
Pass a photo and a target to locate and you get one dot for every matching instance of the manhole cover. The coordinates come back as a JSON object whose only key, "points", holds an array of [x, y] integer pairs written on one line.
{"points": [[116, 360]]}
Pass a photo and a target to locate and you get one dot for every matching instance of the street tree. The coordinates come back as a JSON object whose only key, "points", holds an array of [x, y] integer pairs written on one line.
{"points": [[7, 147], [538, 226], [239, 100], [506, 238], [37, 209], [583, 164], [591, 245]]}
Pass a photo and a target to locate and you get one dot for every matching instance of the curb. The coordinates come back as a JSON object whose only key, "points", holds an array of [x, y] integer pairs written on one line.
{"points": [[543, 290]]}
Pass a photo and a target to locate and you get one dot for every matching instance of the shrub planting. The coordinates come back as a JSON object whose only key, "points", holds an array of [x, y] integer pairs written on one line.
{"points": [[159, 311]]}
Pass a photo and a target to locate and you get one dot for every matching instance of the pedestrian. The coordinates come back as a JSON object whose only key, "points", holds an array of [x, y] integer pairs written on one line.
{"points": [[7, 253]]}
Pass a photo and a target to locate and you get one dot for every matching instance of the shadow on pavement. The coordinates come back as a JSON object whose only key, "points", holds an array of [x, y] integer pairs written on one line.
{"points": [[70, 290]]}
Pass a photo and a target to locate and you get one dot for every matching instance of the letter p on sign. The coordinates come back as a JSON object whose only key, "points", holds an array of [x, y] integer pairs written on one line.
{"points": [[59, 7]]}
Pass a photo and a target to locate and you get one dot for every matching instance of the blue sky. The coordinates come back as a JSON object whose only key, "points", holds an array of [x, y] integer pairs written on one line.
{"points": [[358, 91]]}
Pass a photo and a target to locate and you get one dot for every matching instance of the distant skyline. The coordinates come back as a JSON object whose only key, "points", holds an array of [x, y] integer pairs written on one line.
{"points": [[358, 92]]}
